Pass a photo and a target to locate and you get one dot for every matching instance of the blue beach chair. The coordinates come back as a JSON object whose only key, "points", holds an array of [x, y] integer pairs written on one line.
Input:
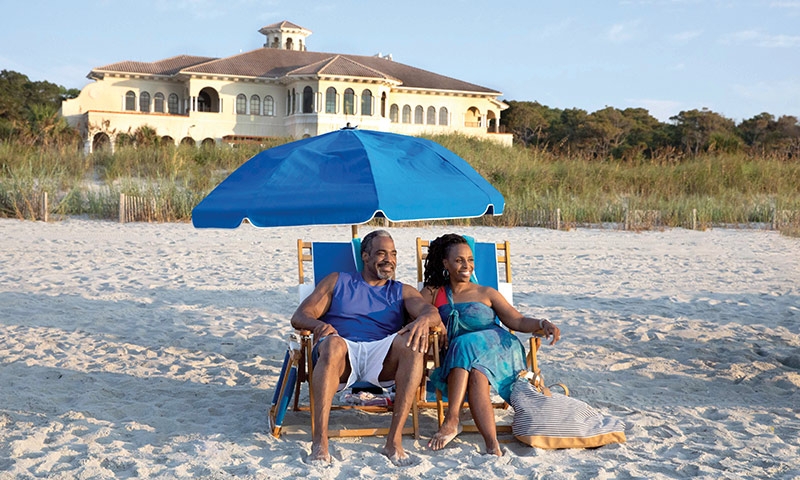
{"points": [[325, 258], [492, 269]]}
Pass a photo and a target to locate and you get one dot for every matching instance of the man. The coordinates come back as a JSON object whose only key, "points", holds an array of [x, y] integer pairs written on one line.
{"points": [[359, 335]]}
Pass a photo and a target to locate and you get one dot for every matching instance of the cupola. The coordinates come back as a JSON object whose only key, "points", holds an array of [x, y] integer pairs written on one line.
{"points": [[285, 36]]}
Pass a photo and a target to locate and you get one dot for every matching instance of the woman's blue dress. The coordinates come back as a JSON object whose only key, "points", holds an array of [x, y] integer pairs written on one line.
{"points": [[477, 341]]}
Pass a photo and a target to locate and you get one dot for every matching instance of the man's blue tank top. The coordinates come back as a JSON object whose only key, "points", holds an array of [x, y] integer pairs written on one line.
{"points": [[363, 313]]}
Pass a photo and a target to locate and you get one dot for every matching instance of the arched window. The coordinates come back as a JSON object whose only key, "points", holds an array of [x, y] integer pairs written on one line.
{"points": [[172, 103], [288, 102], [255, 105], [208, 100], [308, 100], [241, 104], [406, 114], [101, 142], [349, 102], [430, 119], [330, 100], [269, 106], [158, 103], [294, 100], [443, 116], [472, 118], [383, 104], [289, 44], [300, 44], [394, 113], [144, 102], [130, 101], [366, 102], [276, 43], [418, 112]]}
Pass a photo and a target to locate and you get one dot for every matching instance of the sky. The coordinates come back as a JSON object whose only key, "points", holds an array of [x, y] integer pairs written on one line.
{"points": [[737, 58]]}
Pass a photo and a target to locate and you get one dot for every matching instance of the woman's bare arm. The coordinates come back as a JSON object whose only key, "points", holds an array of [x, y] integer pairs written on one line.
{"points": [[516, 321]]}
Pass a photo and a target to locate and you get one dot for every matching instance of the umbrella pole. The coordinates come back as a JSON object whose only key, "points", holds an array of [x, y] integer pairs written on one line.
{"points": [[354, 230]]}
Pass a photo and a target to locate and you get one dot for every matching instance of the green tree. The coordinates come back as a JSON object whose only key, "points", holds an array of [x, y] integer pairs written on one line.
{"points": [[529, 121], [754, 130], [697, 128], [572, 130], [29, 109], [608, 129]]}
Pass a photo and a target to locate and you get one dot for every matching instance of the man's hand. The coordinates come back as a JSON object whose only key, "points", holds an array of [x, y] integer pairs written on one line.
{"points": [[323, 330], [425, 316], [418, 335], [420, 328]]}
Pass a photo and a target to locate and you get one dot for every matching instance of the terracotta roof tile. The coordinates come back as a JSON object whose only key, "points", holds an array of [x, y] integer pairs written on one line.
{"points": [[167, 66], [339, 65], [283, 24], [276, 63]]}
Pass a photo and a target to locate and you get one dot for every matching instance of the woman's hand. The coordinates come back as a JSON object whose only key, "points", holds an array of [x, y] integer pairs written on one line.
{"points": [[550, 330]]}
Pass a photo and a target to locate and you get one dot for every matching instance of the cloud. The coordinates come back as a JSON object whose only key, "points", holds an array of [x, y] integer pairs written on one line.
{"points": [[661, 109], [685, 37], [759, 39], [622, 32], [785, 4], [785, 92], [555, 29], [209, 9]]}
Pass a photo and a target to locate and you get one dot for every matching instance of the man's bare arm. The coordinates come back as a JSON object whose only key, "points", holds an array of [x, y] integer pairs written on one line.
{"points": [[424, 316], [307, 315]]}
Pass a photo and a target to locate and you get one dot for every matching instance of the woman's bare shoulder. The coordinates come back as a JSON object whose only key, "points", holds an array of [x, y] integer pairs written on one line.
{"points": [[428, 293]]}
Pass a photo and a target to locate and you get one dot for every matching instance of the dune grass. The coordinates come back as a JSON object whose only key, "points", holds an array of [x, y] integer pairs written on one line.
{"points": [[728, 189], [725, 189]]}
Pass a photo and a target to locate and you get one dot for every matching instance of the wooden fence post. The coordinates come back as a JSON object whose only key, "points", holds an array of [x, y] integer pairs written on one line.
{"points": [[558, 219], [774, 215], [694, 219], [121, 208], [44, 206]]}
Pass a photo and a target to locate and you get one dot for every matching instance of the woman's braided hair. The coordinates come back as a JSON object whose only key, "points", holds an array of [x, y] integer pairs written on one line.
{"points": [[434, 264]]}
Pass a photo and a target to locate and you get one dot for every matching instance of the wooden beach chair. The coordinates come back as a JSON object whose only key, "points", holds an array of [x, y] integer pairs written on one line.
{"points": [[325, 258], [492, 269]]}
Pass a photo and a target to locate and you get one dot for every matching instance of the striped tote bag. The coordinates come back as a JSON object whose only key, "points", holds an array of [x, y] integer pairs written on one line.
{"points": [[560, 421]]}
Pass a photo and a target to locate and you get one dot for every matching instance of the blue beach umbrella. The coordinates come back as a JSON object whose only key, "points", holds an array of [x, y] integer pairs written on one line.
{"points": [[349, 176]]}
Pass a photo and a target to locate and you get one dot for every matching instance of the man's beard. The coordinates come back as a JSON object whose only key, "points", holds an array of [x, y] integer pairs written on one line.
{"points": [[384, 276]]}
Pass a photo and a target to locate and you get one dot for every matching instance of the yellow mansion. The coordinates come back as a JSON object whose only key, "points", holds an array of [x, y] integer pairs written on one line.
{"points": [[280, 90]]}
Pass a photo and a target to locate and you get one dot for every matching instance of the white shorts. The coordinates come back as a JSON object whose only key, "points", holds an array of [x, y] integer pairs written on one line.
{"points": [[366, 361]]}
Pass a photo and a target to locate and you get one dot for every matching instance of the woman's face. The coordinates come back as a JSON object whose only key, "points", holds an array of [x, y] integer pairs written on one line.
{"points": [[459, 262]]}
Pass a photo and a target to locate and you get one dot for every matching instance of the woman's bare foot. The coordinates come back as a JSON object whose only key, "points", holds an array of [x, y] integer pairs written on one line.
{"points": [[397, 455], [444, 436], [495, 449]]}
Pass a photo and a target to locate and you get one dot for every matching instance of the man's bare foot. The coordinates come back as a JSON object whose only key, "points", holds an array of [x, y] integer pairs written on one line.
{"points": [[397, 455], [319, 454], [445, 434]]}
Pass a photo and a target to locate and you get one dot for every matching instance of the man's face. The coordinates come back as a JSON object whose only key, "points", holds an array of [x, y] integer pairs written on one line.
{"points": [[382, 260]]}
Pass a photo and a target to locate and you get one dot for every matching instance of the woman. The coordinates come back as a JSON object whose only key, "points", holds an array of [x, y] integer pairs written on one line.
{"points": [[481, 353]]}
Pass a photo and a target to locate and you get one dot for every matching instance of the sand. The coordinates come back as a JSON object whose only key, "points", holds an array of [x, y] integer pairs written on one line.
{"points": [[152, 350]]}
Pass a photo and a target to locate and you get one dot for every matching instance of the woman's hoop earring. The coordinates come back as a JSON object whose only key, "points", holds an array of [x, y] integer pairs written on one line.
{"points": [[445, 273]]}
